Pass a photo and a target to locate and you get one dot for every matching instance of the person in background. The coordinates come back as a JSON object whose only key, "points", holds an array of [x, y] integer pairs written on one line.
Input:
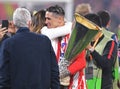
{"points": [[103, 54], [2, 32], [106, 20], [38, 21], [6, 32], [83, 9], [21, 69], [118, 34]]}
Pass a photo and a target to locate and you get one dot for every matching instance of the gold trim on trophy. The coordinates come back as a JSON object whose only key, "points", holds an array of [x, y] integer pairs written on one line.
{"points": [[87, 23]]}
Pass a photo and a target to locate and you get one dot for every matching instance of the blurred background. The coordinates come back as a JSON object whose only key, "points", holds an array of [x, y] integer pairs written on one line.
{"points": [[113, 6]]}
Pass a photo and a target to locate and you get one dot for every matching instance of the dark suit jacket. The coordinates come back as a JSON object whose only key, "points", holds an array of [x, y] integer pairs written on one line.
{"points": [[27, 61], [4, 37]]}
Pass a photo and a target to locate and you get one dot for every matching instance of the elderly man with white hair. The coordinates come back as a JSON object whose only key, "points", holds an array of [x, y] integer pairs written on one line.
{"points": [[27, 60]]}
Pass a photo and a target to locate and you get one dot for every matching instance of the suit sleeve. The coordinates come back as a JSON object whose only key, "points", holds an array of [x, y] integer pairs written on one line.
{"points": [[53, 33], [109, 53], [55, 83], [78, 64], [4, 67]]}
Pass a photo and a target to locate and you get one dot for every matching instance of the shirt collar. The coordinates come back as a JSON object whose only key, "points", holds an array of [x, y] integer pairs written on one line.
{"points": [[23, 29]]}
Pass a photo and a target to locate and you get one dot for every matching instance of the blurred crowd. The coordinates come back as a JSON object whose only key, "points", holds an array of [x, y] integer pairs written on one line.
{"points": [[111, 5]]}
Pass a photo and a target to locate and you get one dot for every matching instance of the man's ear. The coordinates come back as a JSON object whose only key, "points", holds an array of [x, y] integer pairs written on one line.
{"points": [[29, 23], [108, 24], [60, 20], [11, 24]]}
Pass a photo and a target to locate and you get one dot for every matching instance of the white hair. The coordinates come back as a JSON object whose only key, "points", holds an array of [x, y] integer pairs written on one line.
{"points": [[20, 17]]}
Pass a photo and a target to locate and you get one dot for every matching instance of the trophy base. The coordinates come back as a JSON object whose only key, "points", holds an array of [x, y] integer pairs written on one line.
{"points": [[65, 81]]}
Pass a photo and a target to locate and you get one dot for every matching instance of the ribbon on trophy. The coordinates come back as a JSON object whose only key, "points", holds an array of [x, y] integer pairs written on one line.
{"points": [[82, 34]]}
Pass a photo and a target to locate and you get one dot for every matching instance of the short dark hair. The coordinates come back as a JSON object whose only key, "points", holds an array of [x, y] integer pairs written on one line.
{"points": [[56, 9], [104, 16], [94, 18]]}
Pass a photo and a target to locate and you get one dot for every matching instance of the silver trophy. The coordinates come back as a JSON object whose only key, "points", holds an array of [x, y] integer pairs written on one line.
{"points": [[64, 73]]}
